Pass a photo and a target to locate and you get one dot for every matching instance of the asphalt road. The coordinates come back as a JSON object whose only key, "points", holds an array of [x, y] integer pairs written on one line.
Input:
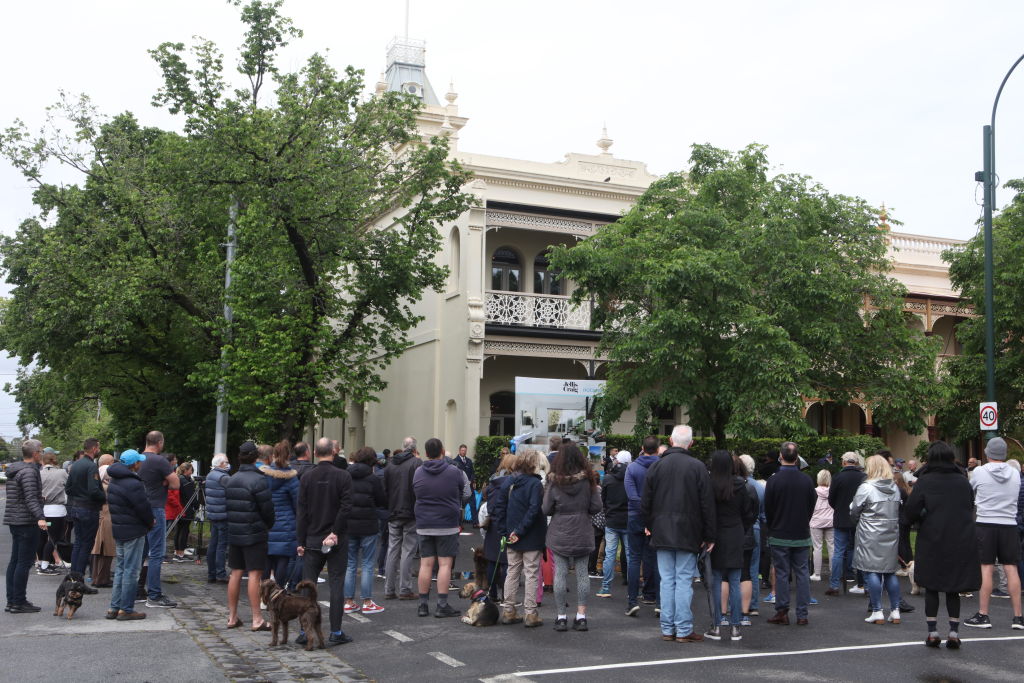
{"points": [[396, 645]]}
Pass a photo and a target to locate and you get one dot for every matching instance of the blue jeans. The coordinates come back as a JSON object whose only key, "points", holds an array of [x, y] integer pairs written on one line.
{"points": [[157, 538], [362, 551], [24, 538], [639, 551], [735, 596], [127, 565], [612, 537], [86, 522], [788, 561], [843, 546], [874, 582], [217, 550], [755, 571], [677, 569]]}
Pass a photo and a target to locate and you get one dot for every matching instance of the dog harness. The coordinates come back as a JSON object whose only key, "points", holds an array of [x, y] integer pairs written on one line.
{"points": [[479, 596]]}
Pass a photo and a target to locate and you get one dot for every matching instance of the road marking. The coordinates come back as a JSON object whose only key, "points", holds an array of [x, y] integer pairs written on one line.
{"points": [[400, 637], [750, 655], [505, 678], [442, 657], [354, 616]]}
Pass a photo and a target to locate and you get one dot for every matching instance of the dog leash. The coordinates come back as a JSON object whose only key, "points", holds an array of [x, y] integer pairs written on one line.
{"points": [[497, 563]]}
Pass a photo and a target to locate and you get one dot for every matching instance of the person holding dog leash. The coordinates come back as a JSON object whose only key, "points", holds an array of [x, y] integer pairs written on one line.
{"points": [[527, 528]]}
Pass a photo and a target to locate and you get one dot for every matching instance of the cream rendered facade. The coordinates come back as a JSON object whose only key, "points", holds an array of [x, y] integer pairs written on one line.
{"points": [[455, 379]]}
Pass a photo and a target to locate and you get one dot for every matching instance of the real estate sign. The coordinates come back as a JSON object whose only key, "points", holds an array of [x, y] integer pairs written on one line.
{"points": [[553, 406]]}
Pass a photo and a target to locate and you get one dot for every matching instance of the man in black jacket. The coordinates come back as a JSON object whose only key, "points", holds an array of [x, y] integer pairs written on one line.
{"points": [[678, 508], [463, 462], [789, 500], [23, 513], [616, 502], [401, 521], [250, 517], [840, 495], [325, 503], [131, 518], [85, 500]]}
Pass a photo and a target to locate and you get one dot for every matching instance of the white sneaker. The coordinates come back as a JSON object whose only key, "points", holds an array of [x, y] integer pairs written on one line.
{"points": [[894, 616], [856, 590], [875, 617], [815, 577]]}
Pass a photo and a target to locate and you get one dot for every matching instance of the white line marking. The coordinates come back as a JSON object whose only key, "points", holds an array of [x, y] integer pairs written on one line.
{"points": [[442, 657], [358, 618], [750, 655], [400, 637], [506, 678]]}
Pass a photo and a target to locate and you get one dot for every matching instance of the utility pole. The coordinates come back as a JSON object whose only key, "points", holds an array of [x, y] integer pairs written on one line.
{"points": [[220, 440]]}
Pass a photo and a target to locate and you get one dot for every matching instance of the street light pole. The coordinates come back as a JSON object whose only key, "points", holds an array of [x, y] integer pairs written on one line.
{"points": [[988, 179], [220, 439]]}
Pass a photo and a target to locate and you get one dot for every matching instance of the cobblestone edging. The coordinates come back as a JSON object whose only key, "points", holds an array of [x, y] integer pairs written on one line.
{"points": [[244, 656]]}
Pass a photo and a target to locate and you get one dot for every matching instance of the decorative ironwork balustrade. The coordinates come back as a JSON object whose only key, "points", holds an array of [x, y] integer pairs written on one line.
{"points": [[535, 310]]}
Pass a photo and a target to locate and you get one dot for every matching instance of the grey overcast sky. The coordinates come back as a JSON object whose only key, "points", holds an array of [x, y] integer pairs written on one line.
{"points": [[884, 100]]}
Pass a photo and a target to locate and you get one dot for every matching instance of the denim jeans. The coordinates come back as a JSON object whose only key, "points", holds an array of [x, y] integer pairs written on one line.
{"points": [[755, 570], [677, 569], [788, 561], [735, 594], [362, 552], [127, 565], [843, 543], [157, 547], [612, 537], [23, 552], [874, 582], [639, 552], [217, 550], [86, 523]]}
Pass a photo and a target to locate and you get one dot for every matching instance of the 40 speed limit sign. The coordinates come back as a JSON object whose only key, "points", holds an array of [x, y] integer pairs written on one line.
{"points": [[988, 415]]}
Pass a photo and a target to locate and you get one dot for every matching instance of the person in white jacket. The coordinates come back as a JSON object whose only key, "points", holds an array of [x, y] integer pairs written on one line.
{"points": [[821, 523], [996, 488]]}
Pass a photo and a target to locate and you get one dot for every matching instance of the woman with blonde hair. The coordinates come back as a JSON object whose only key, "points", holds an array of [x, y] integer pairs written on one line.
{"points": [[526, 527], [876, 511], [821, 522], [494, 499]]}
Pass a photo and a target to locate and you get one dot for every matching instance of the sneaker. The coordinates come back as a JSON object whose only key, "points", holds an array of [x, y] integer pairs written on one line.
{"points": [[996, 593], [932, 641], [736, 635], [745, 620], [351, 607], [657, 611], [301, 638], [372, 608], [632, 610], [856, 590], [876, 617], [754, 612], [380, 575], [968, 594], [713, 633], [443, 611], [49, 571], [979, 620], [724, 621], [815, 577], [603, 594], [953, 643], [338, 639], [319, 579], [179, 558], [1017, 624], [423, 611], [580, 625], [648, 601], [162, 601], [130, 616], [595, 575], [24, 608], [770, 598], [560, 625], [813, 601]]}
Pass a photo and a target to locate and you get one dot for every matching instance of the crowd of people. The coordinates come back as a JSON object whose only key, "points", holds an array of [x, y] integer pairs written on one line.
{"points": [[665, 518]]}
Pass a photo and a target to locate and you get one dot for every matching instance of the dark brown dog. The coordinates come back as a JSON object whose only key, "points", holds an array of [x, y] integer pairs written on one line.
{"points": [[480, 569], [284, 606], [69, 594]]}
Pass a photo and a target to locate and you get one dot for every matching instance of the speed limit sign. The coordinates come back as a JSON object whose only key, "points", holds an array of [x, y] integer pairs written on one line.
{"points": [[988, 414]]}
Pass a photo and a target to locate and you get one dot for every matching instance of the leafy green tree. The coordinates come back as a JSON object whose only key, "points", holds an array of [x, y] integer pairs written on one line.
{"points": [[958, 417], [118, 285], [733, 294]]}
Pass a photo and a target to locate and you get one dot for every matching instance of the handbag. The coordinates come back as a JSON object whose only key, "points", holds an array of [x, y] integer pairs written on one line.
{"points": [[598, 520]]}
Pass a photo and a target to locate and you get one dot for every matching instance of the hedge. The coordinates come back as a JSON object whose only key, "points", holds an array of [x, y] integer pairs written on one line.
{"points": [[486, 454]]}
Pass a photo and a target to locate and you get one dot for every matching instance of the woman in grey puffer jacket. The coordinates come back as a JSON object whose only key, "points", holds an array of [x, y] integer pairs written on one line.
{"points": [[572, 497], [876, 510]]}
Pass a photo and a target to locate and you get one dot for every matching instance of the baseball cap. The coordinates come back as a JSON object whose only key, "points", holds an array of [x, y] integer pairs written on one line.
{"points": [[247, 447], [624, 457], [131, 456], [50, 450]]}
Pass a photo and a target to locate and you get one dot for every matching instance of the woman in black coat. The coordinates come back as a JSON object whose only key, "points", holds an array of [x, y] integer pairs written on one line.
{"points": [[942, 504], [734, 513], [495, 495]]}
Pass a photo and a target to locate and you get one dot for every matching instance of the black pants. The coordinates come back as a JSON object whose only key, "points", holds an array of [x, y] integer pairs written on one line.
{"points": [[181, 533], [592, 560], [382, 546], [906, 552], [337, 564], [278, 564]]}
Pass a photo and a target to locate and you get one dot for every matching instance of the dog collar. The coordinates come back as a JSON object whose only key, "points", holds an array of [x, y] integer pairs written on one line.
{"points": [[479, 596]]}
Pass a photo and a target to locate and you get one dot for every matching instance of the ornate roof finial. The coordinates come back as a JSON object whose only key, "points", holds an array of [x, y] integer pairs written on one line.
{"points": [[382, 85], [883, 217], [604, 142], [451, 95]]}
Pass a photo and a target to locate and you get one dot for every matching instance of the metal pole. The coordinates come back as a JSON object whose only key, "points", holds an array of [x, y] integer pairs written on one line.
{"points": [[220, 439]]}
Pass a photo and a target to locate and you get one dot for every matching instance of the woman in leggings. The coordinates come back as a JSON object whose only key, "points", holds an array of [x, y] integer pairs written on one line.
{"points": [[942, 504], [572, 497]]}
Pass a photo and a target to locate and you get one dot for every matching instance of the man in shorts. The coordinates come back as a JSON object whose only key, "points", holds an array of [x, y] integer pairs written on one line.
{"points": [[440, 490], [250, 517], [996, 488]]}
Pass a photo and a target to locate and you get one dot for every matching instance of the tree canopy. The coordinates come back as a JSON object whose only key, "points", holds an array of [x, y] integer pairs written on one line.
{"points": [[118, 283], [734, 294], [958, 417]]}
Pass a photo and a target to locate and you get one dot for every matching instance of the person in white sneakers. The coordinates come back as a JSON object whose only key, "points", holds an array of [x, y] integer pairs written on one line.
{"points": [[996, 488], [876, 511], [821, 523]]}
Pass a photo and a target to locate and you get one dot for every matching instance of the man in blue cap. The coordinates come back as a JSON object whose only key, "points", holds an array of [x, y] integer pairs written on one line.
{"points": [[131, 518]]}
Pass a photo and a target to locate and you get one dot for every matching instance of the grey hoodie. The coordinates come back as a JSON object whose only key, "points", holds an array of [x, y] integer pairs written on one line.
{"points": [[996, 487]]}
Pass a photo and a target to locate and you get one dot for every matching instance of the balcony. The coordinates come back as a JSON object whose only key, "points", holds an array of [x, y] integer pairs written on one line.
{"points": [[535, 310]]}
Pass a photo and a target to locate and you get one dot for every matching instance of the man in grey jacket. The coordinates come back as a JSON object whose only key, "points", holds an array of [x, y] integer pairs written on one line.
{"points": [[23, 513]]}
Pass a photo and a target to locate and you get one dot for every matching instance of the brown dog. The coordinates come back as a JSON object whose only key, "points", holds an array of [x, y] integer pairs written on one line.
{"points": [[482, 611], [480, 569], [69, 594], [284, 606]]}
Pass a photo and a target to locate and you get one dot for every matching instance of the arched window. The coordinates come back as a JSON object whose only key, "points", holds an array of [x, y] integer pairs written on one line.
{"points": [[506, 271], [454, 260], [545, 280]]}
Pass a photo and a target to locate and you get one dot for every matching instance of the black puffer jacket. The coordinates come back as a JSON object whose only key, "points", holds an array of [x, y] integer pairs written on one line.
{"points": [[398, 485], [250, 507], [83, 485], [616, 502], [367, 497], [130, 514], [840, 495], [24, 494]]}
